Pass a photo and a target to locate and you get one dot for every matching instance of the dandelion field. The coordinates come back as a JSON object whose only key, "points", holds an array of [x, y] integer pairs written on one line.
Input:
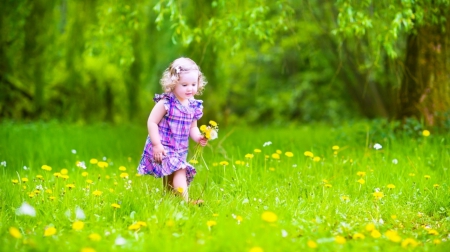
{"points": [[358, 187]]}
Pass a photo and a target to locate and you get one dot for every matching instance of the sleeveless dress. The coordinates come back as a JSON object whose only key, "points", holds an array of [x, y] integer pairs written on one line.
{"points": [[174, 130]]}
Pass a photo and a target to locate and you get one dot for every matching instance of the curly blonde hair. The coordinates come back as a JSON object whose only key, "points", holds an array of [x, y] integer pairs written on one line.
{"points": [[171, 75]]}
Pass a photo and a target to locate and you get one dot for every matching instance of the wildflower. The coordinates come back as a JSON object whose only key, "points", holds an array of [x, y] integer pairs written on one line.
{"points": [[269, 216], [375, 234], [122, 168], [361, 173], [211, 223], [311, 244], [87, 250], [308, 154], [278, 152], [358, 236], [436, 186], [14, 181], [142, 224], [180, 189], [215, 214], [24, 180], [340, 239], [427, 176], [102, 164], [249, 155], [193, 161], [256, 249], [115, 205], [94, 237], [394, 161], [120, 241], [412, 174], [97, 193], [57, 174], [224, 163], [377, 146], [239, 162], [64, 171], [93, 161], [134, 227], [325, 181], [378, 195], [433, 232], [276, 156], [70, 186], [213, 123], [419, 214], [257, 150], [78, 225], [335, 147], [437, 241], [14, 232], [345, 198], [89, 181], [426, 133], [124, 175], [267, 143], [26, 209], [64, 176], [328, 185], [370, 227], [84, 174], [52, 198], [81, 164], [409, 242], [316, 159], [393, 236], [289, 154], [50, 231], [391, 186], [393, 216], [46, 168]]}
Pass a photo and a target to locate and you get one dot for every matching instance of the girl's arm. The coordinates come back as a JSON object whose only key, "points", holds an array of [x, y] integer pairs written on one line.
{"points": [[196, 135], [155, 117]]}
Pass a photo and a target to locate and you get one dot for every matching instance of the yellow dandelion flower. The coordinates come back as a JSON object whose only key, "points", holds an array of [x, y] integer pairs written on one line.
{"points": [[170, 223], [64, 171], [426, 133], [335, 147], [370, 227], [180, 189], [111, 190], [97, 193], [124, 175], [64, 176], [193, 161], [340, 239], [409, 242], [256, 249], [122, 168], [311, 244], [213, 123], [308, 154], [40, 177], [115, 205], [328, 185], [436, 186], [316, 159], [50, 231], [93, 161], [279, 152], [239, 162], [46, 168], [94, 237], [24, 180], [102, 164], [52, 198], [361, 173], [211, 223], [358, 236], [375, 234], [437, 241], [378, 195], [345, 198], [361, 181], [70, 186], [257, 150], [391, 186], [14, 232], [271, 169], [289, 154], [215, 214], [393, 236], [134, 226], [84, 174], [78, 225], [87, 250], [427, 176], [433, 232], [276, 156], [142, 223], [224, 163], [14, 181], [269, 216], [89, 181], [249, 155], [393, 216]]}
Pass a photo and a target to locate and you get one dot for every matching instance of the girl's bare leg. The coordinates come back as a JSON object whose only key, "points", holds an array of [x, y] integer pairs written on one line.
{"points": [[179, 183]]}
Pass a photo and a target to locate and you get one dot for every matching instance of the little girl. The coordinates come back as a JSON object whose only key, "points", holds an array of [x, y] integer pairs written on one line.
{"points": [[172, 120]]}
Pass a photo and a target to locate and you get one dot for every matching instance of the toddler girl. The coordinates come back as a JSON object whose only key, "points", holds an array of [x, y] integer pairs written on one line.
{"points": [[172, 120]]}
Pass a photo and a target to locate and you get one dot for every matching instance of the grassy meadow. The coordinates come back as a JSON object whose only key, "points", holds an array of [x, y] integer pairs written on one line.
{"points": [[357, 187]]}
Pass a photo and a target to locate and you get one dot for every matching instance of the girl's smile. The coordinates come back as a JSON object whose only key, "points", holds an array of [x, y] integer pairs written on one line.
{"points": [[187, 86]]}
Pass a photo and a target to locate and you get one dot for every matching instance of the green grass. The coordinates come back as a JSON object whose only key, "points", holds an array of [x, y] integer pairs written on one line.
{"points": [[296, 189]]}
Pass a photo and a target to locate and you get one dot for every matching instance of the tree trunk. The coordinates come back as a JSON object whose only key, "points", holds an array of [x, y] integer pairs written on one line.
{"points": [[424, 92]]}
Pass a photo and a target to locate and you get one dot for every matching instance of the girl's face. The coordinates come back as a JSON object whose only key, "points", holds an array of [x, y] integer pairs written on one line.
{"points": [[187, 86]]}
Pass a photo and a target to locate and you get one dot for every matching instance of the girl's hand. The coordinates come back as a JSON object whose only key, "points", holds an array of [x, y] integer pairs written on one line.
{"points": [[203, 141], [158, 152]]}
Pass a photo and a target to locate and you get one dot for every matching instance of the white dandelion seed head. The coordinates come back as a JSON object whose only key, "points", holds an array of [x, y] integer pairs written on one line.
{"points": [[26, 209], [267, 143], [79, 213], [394, 161], [74, 151], [214, 135], [120, 241], [377, 146], [3, 163], [25, 167], [284, 233]]}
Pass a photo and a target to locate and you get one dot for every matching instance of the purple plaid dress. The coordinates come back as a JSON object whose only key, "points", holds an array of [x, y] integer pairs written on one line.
{"points": [[174, 130]]}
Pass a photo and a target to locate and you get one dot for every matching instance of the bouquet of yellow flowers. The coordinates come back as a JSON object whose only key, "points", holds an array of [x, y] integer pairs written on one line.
{"points": [[210, 132]]}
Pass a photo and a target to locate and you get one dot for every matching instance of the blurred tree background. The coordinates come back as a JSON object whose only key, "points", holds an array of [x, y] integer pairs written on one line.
{"points": [[266, 61]]}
